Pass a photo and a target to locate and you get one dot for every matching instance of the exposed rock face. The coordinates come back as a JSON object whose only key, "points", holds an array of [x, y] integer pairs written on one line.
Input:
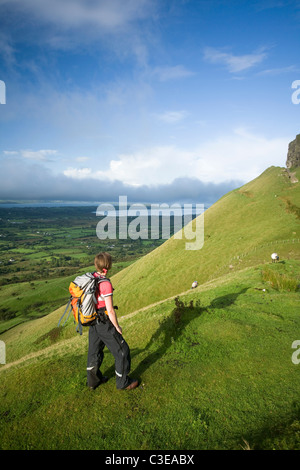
{"points": [[293, 156]]}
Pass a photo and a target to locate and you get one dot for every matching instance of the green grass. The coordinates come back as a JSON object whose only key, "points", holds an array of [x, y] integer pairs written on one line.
{"points": [[217, 375], [280, 280], [242, 229]]}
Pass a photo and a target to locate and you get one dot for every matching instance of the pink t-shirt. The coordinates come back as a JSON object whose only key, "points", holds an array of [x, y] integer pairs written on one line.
{"points": [[104, 289]]}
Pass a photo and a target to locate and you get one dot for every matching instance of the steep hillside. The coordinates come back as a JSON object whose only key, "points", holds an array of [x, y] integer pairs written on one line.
{"points": [[217, 372], [242, 229]]}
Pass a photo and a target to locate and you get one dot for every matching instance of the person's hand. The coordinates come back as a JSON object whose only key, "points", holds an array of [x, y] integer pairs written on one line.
{"points": [[119, 329]]}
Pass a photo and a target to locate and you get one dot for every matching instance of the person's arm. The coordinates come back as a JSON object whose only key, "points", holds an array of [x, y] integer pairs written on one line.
{"points": [[111, 312]]}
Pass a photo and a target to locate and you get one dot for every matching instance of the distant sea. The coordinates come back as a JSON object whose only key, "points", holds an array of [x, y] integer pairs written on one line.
{"points": [[9, 205], [19, 205]]}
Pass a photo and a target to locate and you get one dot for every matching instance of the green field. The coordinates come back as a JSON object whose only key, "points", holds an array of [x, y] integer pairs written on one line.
{"points": [[43, 249], [216, 364], [46, 243]]}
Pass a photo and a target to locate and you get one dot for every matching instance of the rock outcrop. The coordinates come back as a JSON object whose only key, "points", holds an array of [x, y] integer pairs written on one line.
{"points": [[293, 156]]}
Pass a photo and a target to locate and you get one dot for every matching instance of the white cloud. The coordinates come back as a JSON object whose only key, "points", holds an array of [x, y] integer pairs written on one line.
{"points": [[172, 117], [68, 14], [234, 63], [10, 152], [241, 156], [78, 173], [78, 24], [81, 159], [128, 169], [279, 70], [171, 73], [38, 182], [7, 51], [39, 155], [270, 4]]}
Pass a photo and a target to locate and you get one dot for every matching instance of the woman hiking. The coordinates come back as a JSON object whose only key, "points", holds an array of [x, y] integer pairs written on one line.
{"points": [[106, 331]]}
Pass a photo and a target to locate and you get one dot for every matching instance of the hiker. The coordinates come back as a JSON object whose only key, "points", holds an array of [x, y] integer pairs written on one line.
{"points": [[106, 331]]}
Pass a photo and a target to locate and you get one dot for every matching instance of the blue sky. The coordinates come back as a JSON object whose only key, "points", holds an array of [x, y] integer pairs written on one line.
{"points": [[159, 100]]}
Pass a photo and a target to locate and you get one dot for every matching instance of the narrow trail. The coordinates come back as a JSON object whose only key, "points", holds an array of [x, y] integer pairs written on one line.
{"points": [[40, 353], [73, 343]]}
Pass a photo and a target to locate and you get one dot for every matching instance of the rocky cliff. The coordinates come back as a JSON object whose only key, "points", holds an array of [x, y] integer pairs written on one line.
{"points": [[293, 156]]}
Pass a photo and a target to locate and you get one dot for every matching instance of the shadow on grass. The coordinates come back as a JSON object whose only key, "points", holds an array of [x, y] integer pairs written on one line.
{"points": [[171, 328], [277, 435], [226, 300]]}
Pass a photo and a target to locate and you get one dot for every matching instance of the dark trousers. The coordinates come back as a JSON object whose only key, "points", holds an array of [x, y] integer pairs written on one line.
{"points": [[103, 334]]}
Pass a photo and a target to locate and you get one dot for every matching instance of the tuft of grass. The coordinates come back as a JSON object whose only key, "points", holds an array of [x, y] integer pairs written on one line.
{"points": [[292, 208], [280, 281], [51, 336]]}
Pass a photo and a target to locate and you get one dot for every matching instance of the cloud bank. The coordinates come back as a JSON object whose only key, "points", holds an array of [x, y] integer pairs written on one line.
{"points": [[239, 156], [154, 174], [32, 181]]}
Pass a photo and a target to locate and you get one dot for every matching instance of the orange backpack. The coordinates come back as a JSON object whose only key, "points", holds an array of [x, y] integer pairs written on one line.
{"points": [[83, 300]]}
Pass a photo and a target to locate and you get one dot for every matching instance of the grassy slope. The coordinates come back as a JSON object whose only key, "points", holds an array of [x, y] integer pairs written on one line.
{"points": [[250, 223], [222, 376]]}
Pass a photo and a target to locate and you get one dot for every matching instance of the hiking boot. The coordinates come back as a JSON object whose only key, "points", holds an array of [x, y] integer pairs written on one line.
{"points": [[103, 381], [132, 385]]}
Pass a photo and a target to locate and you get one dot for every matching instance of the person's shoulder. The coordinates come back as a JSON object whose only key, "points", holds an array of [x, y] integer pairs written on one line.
{"points": [[105, 284]]}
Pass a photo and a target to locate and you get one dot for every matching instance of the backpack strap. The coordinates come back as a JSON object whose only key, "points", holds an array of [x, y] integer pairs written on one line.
{"points": [[65, 313], [79, 324]]}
